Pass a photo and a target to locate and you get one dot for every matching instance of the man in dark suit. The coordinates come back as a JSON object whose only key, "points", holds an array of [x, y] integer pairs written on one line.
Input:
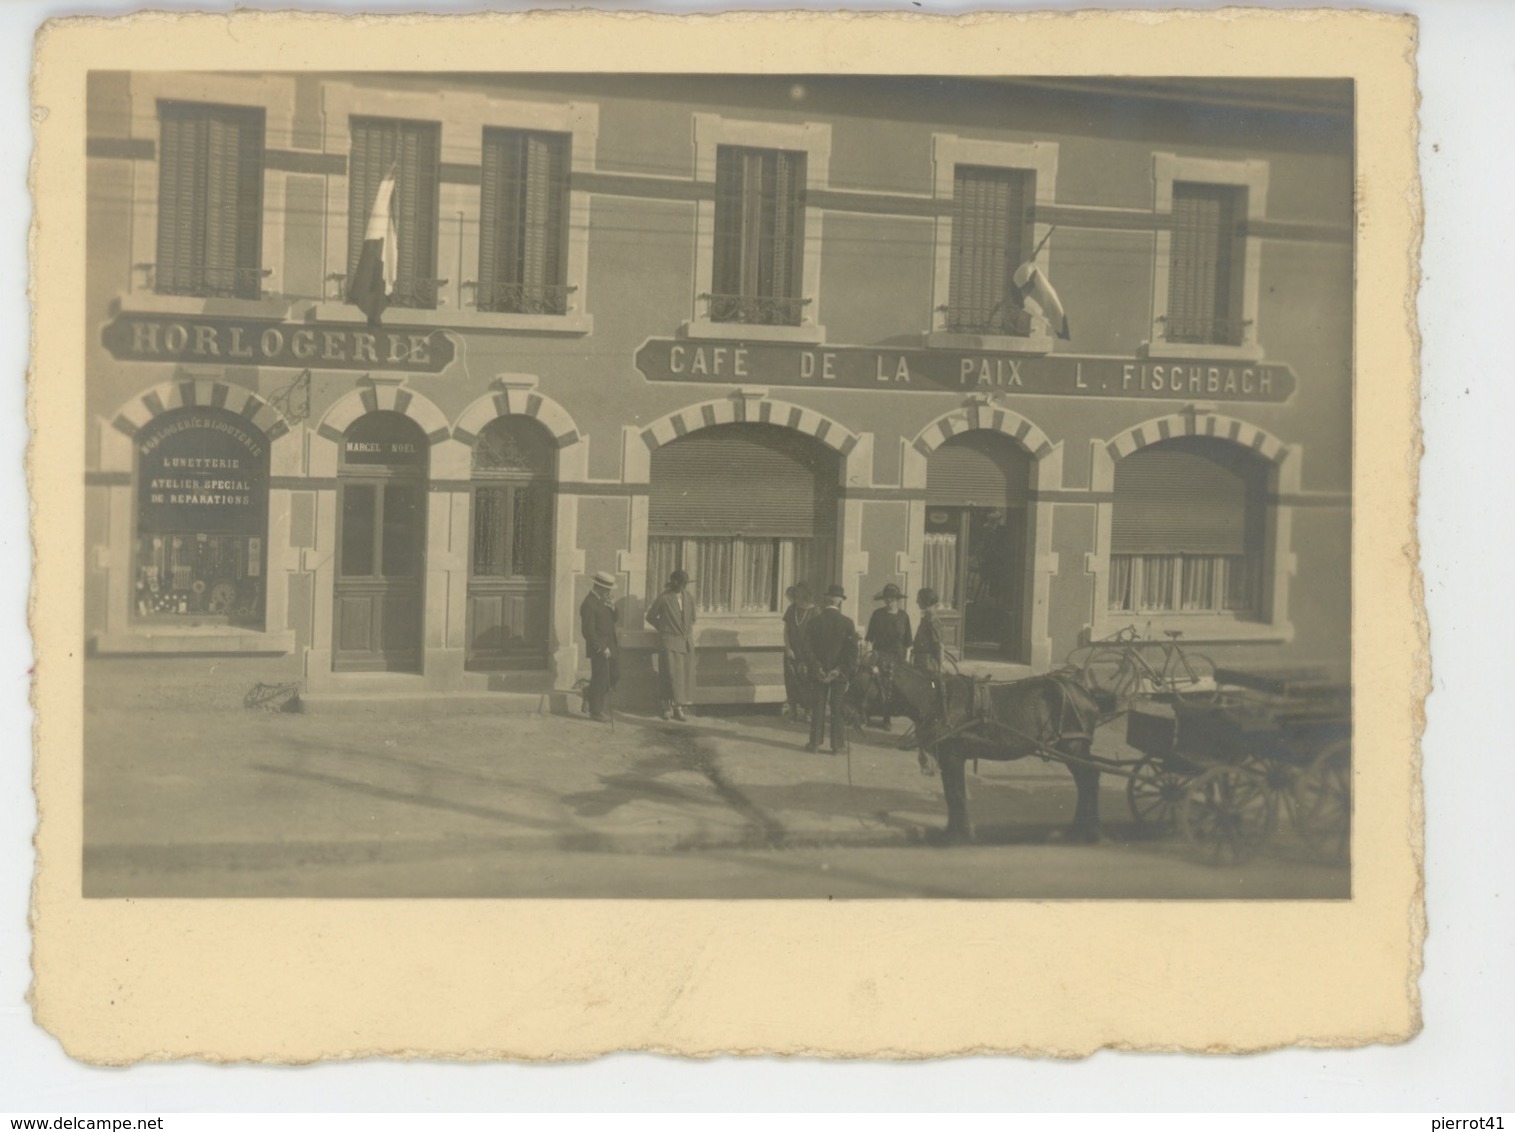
{"points": [[597, 619], [831, 654]]}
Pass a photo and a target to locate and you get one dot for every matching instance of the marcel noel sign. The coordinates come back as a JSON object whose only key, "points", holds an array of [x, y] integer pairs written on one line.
{"points": [[957, 371], [228, 341]]}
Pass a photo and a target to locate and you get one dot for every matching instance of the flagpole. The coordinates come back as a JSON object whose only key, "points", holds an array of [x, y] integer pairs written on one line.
{"points": [[1032, 257]]}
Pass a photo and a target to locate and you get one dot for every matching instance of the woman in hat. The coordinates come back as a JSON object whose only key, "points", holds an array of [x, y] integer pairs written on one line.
{"points": [[889, 633], [927, 652], [672, 615]]}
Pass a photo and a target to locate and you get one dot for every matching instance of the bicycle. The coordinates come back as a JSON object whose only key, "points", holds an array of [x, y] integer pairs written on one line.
{"points": [[1118, 667]]}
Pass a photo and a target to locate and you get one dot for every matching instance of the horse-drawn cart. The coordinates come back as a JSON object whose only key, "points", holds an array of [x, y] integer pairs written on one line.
{"points": [[1227, 768]]}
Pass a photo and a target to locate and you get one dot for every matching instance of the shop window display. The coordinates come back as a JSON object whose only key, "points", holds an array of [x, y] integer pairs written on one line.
{"points": [[202, 507]]}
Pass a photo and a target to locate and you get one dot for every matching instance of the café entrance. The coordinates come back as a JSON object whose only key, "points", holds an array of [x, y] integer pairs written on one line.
{"points": [[977, 524], [381, 545]]}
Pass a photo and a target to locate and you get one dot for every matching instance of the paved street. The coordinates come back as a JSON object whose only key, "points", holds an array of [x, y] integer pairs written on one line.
{"points": [[189, 794]]}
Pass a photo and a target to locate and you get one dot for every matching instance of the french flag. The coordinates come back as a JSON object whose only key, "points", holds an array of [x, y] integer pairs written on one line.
{"points": [[1034, 285], [373, 282]]}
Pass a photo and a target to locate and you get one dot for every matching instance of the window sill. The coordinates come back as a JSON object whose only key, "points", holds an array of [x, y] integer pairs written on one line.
{"points": [[1197, 628], [194, 639], [1193, 351], [574, 324], [750, 332], [149, 302], [989, 343]]}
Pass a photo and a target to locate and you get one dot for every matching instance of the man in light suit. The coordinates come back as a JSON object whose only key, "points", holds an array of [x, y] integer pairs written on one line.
{"points": [[672, 615]]}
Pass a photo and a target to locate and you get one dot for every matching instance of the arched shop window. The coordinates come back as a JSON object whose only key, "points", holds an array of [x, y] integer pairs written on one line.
{"points": [[202, 514], [1188, 528], [747, 510]]}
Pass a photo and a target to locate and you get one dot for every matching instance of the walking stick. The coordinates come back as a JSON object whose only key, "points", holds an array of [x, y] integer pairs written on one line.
{"points": [[610, 703]]}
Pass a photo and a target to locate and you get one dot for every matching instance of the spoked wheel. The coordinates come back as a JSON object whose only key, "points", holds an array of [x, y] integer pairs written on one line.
{"points": [[1225, 814], [1155, 793], [1110, 673], [1323, 802], [1191, 676], [1278, 780]]}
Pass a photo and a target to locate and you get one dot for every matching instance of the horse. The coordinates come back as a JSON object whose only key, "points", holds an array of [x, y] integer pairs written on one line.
{"points": [[958, 718]]}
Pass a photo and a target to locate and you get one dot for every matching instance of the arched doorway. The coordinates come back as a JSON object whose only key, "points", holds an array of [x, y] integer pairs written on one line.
{"points": [[976, 542], [381, 545], [510, 553]]}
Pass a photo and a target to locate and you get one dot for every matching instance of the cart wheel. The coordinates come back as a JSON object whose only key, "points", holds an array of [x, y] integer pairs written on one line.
{"points": [[1279, 780], [1225, 814], [1154, 793], [1110, 672], [1323, 802], [1191, 676]]}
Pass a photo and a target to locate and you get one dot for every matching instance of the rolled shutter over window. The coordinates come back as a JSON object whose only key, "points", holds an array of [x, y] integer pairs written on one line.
{"points": [[979, 469], [1190, 495], [744, 479]]}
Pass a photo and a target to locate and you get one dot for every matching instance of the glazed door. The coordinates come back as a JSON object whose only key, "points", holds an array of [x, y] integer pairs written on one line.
{"points": [[509, 590], [974, 559], [380, 575]]}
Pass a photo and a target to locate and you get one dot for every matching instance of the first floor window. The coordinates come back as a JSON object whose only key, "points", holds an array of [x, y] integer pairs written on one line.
{"points": [[210, 201], [991, 237], [1206, 264], [202, 510], [412, 150], [523, 222], [759, 236], [1188, 529]]}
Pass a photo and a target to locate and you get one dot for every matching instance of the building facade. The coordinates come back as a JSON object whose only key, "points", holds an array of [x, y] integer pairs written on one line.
{"points": [[769, 330]]}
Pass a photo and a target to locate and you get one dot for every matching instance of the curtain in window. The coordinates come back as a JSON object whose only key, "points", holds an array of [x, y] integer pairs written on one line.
{"points": [[1121, 594], [990, 230], [664, 556], [210, 200], [939, 567], [523, 231], [759, 236], [414, 148], [1203, 291]]}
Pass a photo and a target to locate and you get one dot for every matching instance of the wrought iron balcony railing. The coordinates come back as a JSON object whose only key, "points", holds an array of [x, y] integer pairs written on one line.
{"points": [[522, 298], [1205, 331], [1004, 321], [209, 282], [755, 310]]}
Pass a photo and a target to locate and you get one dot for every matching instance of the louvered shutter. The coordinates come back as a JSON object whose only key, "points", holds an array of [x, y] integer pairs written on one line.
{"points": [[990, 215], [759, 224], [210, 202], [978, 469], [1201, 267], [378, 143], [788, 224], [523, 231], [730, 182], [1188, 496], [746, 479]]}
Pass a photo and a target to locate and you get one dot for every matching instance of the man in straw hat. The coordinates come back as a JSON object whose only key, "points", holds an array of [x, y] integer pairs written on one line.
{"points": [[597, 619], [889, 634], [672, 615], [831, 656]]}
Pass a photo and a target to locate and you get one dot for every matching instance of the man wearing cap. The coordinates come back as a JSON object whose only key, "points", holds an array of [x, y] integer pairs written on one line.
{"points": [[597, 619], [889, 634], [831, 655], [672, 615]]}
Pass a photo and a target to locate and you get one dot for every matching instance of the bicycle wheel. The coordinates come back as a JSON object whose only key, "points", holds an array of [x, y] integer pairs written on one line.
{"points": [[1110, 673], [1191, 675]]}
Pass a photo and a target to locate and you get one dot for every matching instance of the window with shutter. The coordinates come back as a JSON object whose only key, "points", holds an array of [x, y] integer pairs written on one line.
{"points": [[991, 236], [523, 228], [747, 510], [1187, 528], [210, 200], [759, 236], [413, 149], [1206, 262]]}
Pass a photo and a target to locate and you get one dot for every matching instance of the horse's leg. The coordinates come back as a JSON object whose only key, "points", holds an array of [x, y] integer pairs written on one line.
{"points": [[955, 790], [1086, 778]]}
